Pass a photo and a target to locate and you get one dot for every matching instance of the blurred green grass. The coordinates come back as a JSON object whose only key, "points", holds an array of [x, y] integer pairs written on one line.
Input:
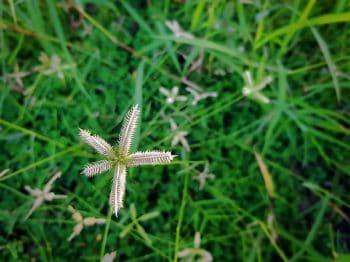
{"points": [[114, 54]]}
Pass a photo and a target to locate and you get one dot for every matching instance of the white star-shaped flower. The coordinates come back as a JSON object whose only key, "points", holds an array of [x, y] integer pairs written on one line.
{"points": [[119, 157], [179, 135], [82, 222], [52, 65], [43, 195], [16, 76], [203, 176], [172, 96], [252, 90]]}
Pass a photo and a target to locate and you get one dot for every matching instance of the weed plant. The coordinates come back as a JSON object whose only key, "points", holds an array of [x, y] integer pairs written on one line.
{"points": [[262, 123]]}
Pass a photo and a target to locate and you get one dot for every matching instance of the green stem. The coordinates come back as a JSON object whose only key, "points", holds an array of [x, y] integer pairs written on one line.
{"points": [[105, 235], [182, 209]]}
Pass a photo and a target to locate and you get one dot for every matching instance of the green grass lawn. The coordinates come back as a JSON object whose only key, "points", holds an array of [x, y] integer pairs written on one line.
{"points": [[259, 124]]}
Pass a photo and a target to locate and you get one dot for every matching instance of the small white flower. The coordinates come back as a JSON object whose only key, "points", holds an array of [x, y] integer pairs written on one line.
{"points": [[52, 65], [43, 195], [179, 135], [252, 90], [82, 222], [172, 96], [203, 176], [17, 76]]}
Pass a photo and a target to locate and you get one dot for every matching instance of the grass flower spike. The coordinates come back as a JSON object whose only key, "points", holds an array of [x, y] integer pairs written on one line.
{"points": [[200, 96], [43, 195], [179, 135], [172, 96], [52, 65], [82, 222], [119, 157], [203, 176], [17, 76], [254, 90]]}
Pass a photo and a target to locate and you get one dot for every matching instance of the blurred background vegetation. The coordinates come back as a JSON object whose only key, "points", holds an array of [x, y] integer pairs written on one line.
{"points": [[280, 154]]}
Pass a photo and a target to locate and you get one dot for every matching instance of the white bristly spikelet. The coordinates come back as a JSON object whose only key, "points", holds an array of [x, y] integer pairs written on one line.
{"points": [[98, 167], [121, 187], [128, 129], [118, 189], [96, 142], [112, 194], [149, 158]]}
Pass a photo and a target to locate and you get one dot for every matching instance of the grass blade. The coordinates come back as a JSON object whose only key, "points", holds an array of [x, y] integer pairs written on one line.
{"points": [[331, 66]]}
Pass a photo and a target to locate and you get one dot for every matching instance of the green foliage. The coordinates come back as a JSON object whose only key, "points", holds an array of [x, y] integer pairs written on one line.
{"points": [[113, 55]]}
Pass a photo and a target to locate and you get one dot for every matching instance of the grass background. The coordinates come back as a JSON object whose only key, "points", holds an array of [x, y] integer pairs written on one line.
{"points": [[302, 135]]}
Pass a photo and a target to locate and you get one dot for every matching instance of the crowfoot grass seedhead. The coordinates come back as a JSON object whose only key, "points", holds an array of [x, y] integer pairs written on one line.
{"points": [[43, 195], [200, 96], [82, 222], [203, 176], [52, 65], [252, 90], [17, 76], [172, 96], [179, 135], [119, 157]]}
